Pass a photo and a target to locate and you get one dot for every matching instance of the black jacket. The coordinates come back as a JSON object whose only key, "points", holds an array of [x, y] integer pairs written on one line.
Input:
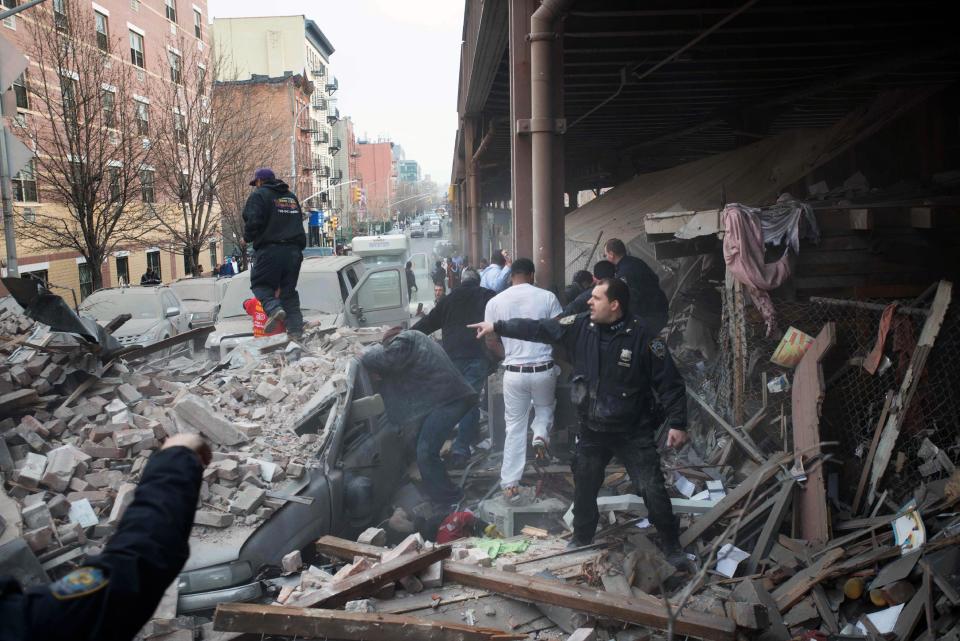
{"points": [[272, 216], [615, 388], [579, 304], [114, 594], [462, 306], [417, 376], [647, 300]]}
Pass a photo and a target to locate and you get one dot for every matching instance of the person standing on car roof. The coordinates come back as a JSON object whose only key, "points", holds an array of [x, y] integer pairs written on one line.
{"points": [[273, 224], [115, 593], [622, 376], [463, 305], [420, 384]]}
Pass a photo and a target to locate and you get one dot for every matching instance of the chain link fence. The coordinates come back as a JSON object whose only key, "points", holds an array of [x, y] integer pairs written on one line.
{"points": [[854, 398]]}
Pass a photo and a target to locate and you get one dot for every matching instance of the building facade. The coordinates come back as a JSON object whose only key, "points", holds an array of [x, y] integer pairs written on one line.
{"points": [[144, 40], [343, 201], [278, 46], [408, 171], [376, 175]]}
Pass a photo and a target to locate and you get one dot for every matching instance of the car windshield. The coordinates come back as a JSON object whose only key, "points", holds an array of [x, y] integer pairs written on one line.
{"points": [[106, 305], [319, 293], [200, 290]]}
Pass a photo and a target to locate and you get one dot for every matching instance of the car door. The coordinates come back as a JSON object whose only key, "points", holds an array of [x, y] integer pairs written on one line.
{"points": [[380, 298]]}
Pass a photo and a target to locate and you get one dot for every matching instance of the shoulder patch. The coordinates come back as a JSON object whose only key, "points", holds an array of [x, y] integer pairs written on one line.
{"points": [[568, 320], [658, 348], [79, 583]]}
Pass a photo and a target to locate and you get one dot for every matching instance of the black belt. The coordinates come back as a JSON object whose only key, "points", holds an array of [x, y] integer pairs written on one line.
{"points": [[529, 368]]}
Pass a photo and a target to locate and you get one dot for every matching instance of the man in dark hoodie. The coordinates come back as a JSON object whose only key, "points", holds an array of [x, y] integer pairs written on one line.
{"points": [[273, 224]]}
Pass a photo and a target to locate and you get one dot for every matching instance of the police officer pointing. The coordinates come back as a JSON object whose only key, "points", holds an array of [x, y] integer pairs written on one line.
{"points": [[114, 594], [618, 365]]}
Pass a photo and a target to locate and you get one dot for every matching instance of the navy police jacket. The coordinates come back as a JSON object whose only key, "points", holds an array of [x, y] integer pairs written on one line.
{"points": [[620, 387]]}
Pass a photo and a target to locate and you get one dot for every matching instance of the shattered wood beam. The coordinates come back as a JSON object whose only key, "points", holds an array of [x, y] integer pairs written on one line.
{"points": [[627, 609], [901, 402], [772, 526], [742, 440], [868, 461], [335, 624], [752, 483], [369, 581], [791, 592], [338, 548], [807, 399]]}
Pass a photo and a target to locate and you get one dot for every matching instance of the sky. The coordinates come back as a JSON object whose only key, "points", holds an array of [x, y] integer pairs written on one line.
{"points": [[397, 64]]}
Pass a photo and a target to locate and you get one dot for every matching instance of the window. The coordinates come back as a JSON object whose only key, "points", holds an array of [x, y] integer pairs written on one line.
{"points": [[25, 184], [29, 215], [380, 291], [180, 128], [147, 184], [136, 49], [201, 80], [123, 270], [176, 72], [37, 274], [187, 262], [153, 263], [86, 280], [108, 103], [197, 24], [143, 118], [183, 188], [171, 10], [113, 178], [60, 15], [103, 34], [10, 22], [69, 96], [213, 255], [20, 91]]}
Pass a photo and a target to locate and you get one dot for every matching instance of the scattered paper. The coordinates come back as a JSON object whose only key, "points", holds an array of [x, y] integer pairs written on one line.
{"points": [[792, 347], [884, 620], [82, 512], [684, 485], [908, 529], [728, 558], [643, 524], [779, 384]]}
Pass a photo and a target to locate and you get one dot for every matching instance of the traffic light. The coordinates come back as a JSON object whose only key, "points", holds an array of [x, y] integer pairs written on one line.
{"points": [[356, 193], [335, 221]]}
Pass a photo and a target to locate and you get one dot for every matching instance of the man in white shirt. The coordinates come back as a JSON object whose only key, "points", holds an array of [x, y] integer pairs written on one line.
{"points": [[496, 276], [529, 376]]}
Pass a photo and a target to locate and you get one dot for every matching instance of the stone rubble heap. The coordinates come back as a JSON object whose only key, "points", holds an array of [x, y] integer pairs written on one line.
{"points": [[76, 438]]}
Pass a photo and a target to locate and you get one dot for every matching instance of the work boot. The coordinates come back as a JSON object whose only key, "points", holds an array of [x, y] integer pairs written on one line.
{"points": [[276, 316], [676, 556], [575, 544], [540, 453]]}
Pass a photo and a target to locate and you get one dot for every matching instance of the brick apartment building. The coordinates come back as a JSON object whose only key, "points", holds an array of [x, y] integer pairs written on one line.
{"points": [[377, 175], [144, 36]]}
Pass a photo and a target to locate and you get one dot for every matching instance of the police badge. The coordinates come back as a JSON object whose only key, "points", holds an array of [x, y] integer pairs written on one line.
{"points": [[658, 348]]}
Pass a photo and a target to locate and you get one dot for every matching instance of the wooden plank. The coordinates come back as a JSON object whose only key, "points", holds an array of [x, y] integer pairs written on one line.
{"points": [[627, 609], [793, 590], [910, 616], [827, 615], [139, 352], [752, 483], [338, 548], [806, 401], [908, 387], [742, 440], [335, 624], [367, 582], [868, 461], [668, 222], [772, 526], [752, 591]]}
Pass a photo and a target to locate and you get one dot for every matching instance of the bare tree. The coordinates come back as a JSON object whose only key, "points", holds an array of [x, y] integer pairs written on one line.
{"points": [[204, 138], [90, 153]]}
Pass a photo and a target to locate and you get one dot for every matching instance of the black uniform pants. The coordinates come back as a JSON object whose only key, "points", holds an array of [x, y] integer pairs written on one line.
{"points": [[273, 280], [638, 453]]}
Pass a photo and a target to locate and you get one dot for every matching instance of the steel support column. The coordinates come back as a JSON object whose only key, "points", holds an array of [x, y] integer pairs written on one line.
{"points": [[472, 187], [520, 146]]}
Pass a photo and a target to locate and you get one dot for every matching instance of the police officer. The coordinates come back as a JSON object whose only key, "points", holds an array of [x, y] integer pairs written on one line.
{"points": [[649, 303], [618, 365], [273, 224], [115, 593]]}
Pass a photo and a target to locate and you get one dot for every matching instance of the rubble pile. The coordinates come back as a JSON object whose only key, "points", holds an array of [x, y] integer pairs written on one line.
{"points": [[76, 432]]}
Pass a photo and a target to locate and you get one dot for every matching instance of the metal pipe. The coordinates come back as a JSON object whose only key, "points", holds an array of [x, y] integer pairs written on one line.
{"points": [[26, 5], [484, 143], [7, 202], [542, 126]]}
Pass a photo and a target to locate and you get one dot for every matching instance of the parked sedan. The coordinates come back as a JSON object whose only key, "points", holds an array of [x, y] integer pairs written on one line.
{"points": [[156, 313], [201, 297], [416, 230], [362, 462], [434, 229]]}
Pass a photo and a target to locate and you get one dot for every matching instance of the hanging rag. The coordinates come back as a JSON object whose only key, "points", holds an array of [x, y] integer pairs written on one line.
{"points": [[747, 230]]}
